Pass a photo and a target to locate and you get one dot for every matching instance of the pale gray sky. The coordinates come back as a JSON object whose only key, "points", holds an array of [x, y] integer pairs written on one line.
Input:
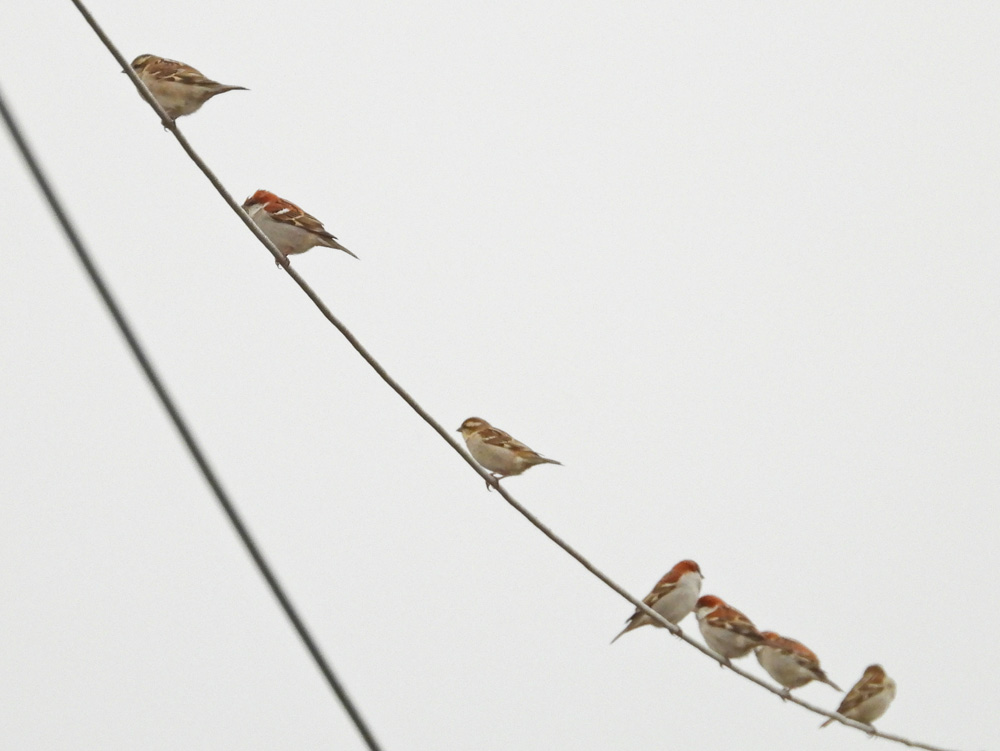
{"points": [[736, 267]]}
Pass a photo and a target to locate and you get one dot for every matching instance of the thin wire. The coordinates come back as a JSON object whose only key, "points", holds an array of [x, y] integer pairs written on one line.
{"points": [[185, 432], [445, 434]]}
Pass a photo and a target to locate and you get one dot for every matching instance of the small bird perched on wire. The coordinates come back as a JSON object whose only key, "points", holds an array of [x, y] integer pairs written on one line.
{"points": [[673, 597], [179, 88], [726, 630], [498, 452], [869, 698], [286, 225], [790, 663]]}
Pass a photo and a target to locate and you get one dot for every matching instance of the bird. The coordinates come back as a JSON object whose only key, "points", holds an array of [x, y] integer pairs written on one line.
{"points": [[179, 88], [496, 451], [673, 597], [726, 630], [790, 663], [869, 698], [290, 228]]}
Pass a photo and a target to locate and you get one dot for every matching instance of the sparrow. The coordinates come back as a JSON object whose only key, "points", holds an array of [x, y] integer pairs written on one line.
{"points": [[673, 597], [726, 630], [290, 228], [870, 697], [498, 452], [179, 88], [790, 663]]}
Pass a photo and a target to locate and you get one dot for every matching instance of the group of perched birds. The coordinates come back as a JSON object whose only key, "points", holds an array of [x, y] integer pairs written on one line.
{"points": [[182, 90], [731, 635], [727, 631]]}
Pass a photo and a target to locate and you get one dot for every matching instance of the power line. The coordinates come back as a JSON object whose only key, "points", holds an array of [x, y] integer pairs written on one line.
{"points": [[186, 435], [441, 431]]}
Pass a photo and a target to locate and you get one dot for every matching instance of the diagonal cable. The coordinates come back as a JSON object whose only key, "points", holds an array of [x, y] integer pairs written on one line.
{"points": [[436, 426], [185, 432]]}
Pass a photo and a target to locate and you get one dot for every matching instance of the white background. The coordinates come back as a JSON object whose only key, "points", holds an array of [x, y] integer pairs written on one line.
{"points": [[735, 267]]}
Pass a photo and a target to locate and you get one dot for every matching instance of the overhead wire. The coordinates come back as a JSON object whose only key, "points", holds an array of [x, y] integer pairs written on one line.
{"points": [[446, 435], [187, 436]]}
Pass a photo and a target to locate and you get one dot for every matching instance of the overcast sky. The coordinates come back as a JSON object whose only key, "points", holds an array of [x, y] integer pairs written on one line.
{"points": [[736, 267]]}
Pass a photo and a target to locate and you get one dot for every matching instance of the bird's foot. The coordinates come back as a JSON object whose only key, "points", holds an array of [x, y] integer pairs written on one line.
{"points": [[493, 482]]}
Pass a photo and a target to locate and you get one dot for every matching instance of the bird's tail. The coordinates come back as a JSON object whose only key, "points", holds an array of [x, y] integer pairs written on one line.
{"points": [[624, 631], [331, 242], [634, 621], [826, 679]]}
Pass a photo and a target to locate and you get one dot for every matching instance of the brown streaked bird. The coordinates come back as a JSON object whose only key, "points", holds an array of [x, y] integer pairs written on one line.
{"points": [[179, 88], [498, 452], [673, 597], [291, 229], [726, 630], [790, 663], [869, 698]]}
